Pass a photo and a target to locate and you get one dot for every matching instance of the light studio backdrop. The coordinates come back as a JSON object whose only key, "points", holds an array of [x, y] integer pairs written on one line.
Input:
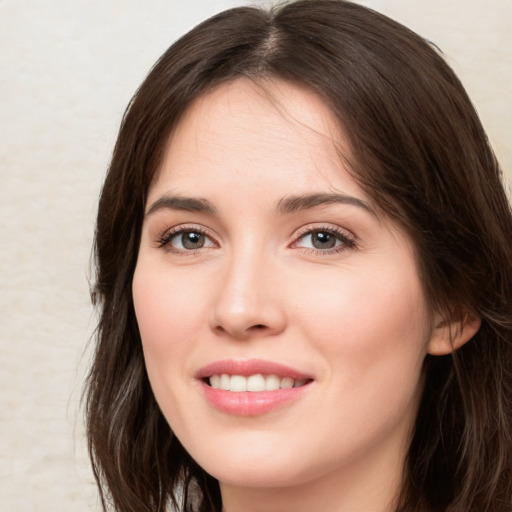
{"points": [[67, 71]]}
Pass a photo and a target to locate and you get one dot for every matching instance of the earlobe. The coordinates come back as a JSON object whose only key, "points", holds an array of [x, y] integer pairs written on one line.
{"points": [[448, 336]]}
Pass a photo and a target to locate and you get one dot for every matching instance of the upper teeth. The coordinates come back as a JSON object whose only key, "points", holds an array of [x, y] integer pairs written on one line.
{"points": [[256, 382]]}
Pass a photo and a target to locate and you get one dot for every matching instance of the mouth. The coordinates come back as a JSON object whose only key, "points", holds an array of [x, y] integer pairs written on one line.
{"points": [[251, 388], [253, 383]]}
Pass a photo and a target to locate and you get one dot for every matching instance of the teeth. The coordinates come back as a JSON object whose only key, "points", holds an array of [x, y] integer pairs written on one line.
{"points": [[238, 383], [272, 382], [256, 383], [215, 381], [224, 381], [253, 383], [287, 383]]}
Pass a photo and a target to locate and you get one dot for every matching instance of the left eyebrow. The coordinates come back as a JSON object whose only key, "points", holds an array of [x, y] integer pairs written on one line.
{"points": [[189, 204], [303, 202]]}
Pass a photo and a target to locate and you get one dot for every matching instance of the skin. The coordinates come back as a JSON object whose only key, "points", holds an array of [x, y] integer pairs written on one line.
{"points": [[353, 317]]}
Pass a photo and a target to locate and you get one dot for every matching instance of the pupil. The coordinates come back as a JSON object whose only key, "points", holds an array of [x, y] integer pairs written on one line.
{"points": [[192, 240], [323, 240]]}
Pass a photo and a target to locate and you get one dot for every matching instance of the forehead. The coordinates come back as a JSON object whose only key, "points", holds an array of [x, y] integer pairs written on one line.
{"points": [[242, 133]]}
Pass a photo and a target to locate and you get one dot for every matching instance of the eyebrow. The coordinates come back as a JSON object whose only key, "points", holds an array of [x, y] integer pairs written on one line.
{"points": [[189, 204], [303, 202], [286, 205]]}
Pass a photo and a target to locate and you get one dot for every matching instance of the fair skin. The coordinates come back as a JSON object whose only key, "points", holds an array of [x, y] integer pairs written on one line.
{"points": [[240, 269]]}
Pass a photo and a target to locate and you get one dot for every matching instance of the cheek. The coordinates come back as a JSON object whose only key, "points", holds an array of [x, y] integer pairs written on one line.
{"points": [[166, 311], [375, 320], [373, 332], [171, 307], [166, 307], [166, 323]]}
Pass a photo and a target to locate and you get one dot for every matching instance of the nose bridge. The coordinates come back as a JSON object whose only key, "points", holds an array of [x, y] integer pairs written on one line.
{"points": [[247, 300]]}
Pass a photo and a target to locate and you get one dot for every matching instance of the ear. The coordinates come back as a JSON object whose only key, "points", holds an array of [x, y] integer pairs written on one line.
{"points": [[448, 336]]}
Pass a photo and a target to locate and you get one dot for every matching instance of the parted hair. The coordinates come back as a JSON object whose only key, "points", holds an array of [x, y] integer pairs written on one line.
{"points": [[418, 149]]}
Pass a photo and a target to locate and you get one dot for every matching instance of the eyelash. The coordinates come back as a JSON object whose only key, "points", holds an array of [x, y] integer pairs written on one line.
{"points": [[164, 241], [347, 240]]}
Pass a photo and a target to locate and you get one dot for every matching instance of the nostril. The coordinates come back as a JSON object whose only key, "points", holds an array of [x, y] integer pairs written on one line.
{"points": [[220, 330]]}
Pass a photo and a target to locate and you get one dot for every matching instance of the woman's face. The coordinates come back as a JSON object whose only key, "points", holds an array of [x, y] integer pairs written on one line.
{"points": [[263, 265]]}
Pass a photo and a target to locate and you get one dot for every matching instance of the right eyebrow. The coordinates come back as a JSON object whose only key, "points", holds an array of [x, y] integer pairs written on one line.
{"points": [[303, 202], [189, 204]]}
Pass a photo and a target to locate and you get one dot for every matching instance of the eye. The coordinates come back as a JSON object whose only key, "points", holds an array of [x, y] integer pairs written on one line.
{"points": [[325, 240], [321, 240], [185, 240]]}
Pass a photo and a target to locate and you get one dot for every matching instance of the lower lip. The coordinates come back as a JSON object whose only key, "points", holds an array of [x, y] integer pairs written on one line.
{"points": [[249, 403]]}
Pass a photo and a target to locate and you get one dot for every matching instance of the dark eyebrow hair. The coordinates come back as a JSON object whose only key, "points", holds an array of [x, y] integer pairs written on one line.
{"points": [[286, 205], [303, 202], [189, 204]]}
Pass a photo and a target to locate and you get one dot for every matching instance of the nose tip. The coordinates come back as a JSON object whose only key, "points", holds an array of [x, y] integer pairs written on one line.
{"points": [[248, 305], [242, 329]]}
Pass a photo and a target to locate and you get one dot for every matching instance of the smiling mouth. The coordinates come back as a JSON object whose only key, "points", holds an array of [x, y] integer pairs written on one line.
{"points": [[252, 387], [253, 383]]}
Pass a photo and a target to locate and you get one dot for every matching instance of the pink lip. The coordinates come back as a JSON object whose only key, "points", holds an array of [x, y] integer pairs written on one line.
{"points": [[250, 367], [250, 403]]}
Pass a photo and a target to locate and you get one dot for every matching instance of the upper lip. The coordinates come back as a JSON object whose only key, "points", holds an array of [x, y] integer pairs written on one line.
{"points": [[249, 367]]}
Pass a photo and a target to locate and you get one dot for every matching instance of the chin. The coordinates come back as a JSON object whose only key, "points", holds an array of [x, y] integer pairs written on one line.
{"points": [[277, 470], [253, 465], [252, 475]]}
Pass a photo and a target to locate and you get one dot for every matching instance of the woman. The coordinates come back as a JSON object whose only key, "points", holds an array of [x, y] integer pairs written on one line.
{"points": [[303, 270]]}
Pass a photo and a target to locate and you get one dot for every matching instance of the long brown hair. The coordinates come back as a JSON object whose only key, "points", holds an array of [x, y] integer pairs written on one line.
{"points": [[418, 148]]}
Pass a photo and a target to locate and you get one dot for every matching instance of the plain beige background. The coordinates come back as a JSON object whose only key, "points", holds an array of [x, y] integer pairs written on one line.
{"points": [[67, 71]]}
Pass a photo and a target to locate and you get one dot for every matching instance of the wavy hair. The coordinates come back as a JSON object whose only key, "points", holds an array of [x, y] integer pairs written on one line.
{"points": [[418, 149]]}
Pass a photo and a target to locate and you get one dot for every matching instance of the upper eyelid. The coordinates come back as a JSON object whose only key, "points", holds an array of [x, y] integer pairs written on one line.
{"points": [[298, 233], [165, 236], [312, 227], [349, 239], [187, 227], [317, 226]]}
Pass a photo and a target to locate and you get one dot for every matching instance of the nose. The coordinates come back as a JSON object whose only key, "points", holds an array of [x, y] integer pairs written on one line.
{"points": [[249, 300]]}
